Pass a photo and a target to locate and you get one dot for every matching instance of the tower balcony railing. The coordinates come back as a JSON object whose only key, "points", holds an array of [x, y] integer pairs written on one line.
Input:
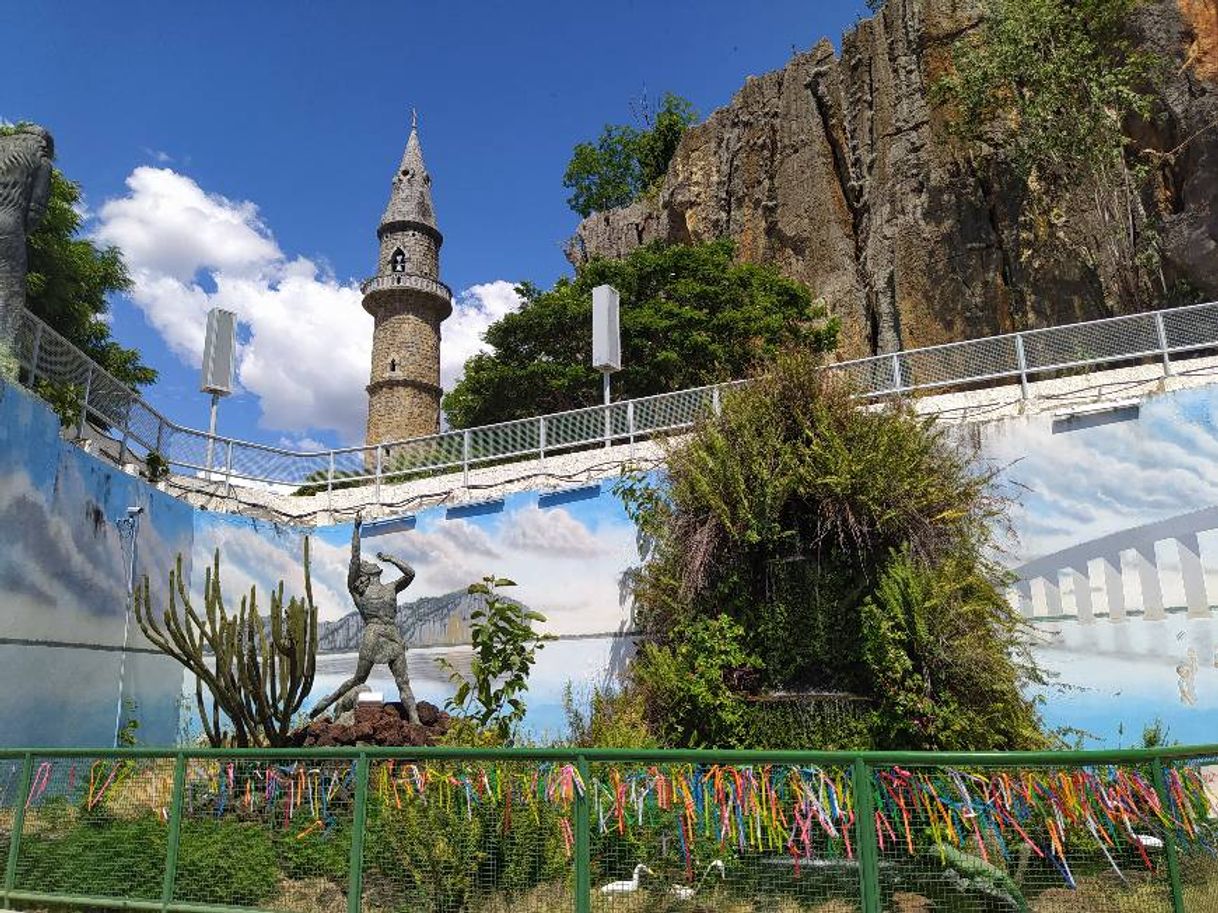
{"points": [[388, 281], [125, 427]]}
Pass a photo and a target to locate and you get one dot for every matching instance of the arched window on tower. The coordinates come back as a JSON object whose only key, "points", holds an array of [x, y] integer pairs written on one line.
{"points": [[397, 262], [393, 365]]}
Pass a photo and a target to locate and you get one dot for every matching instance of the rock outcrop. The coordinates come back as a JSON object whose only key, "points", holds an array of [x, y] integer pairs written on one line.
{"points": [[838, 169], [376, 724]]}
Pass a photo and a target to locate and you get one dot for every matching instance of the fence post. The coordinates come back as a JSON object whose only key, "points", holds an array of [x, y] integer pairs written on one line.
{"points": [[175, 830], [35, 350], [1162, 332], [896, 372], [1169, 841], [465, 458], [378, 473], [864, 817], [630, 424], [330, 478], [1022, 359], [583, 842], [84, 403], [716, 402], [14, 846], [541, 440], [355, 875], [228, 471]]}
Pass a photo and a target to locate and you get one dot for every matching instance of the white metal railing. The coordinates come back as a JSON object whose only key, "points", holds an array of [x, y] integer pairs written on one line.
{"points": [[138, 429]]}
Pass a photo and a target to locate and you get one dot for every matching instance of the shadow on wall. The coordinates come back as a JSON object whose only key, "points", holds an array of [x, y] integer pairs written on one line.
{"points": [[63, 592]]}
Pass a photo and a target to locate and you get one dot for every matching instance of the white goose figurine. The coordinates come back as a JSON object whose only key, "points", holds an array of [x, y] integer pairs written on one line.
{"points": [[627, 887], [684, 892]]}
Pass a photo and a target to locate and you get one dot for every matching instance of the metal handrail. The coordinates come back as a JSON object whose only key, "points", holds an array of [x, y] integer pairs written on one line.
{"points": [[1022, 355]]}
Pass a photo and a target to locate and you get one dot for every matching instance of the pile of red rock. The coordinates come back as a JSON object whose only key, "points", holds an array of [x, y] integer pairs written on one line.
{"points": [[377, 724]]}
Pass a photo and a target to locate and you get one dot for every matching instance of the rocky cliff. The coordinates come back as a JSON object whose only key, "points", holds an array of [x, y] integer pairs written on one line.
{"points": [[838, 169]]}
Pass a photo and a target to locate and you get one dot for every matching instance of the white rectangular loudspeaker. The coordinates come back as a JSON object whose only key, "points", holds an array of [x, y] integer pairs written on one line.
{"points": [[219, 352], [606, 334]]}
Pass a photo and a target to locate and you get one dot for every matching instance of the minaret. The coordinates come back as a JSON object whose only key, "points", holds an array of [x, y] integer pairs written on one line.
{"points": [[407, 302]]}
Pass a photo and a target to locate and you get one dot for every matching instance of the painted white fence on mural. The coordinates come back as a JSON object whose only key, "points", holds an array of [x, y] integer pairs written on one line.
{"points": [[1121, 576], [137, 429]]}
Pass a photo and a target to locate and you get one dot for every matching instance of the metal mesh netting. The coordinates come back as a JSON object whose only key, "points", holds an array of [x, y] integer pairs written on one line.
{"points": [[1084, 840], [1193, 785], [507, 439], [1191, 327], [572, 429], [979, 358], [270, 835], [10, 797], [740, 839], [467, 836], [96, 828], [1086, 343]]}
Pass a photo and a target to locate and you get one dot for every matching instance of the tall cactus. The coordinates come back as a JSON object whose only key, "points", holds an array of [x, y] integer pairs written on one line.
{"points": [[261, 673]]}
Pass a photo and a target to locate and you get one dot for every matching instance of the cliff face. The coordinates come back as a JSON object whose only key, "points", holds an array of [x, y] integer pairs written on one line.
{"points": [[838, 169]]}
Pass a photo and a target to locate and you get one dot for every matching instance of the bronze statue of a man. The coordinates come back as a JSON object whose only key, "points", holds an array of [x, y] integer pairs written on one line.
{"points": [[377, 604], [25, 190]]}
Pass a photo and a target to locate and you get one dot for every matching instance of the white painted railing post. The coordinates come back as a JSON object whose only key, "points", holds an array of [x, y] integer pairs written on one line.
{"points": [[630, 424], [228, 470], [1022, 360], [896, 372], [465, 458], [541, 439], [330, 479], [716, 401], [378, 474], [1162, 333]]}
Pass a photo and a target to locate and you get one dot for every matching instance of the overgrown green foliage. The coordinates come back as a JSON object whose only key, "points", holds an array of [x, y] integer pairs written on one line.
{"points": [[690, 316], [626, 161], [1047, 89], [685, 683], [70, 278], [505, 649], [849, 548], [614, 718]]}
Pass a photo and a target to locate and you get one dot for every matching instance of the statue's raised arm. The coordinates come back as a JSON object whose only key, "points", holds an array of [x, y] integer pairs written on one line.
{"points": [[407, 571], [353, 572]]}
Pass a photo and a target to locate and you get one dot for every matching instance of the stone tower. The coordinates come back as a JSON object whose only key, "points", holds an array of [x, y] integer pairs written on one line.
{"points": [[407, 302]]}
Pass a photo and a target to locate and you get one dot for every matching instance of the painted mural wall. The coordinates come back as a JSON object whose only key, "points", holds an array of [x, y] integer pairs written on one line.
{"points": [[566, 552], [63, 589], [1115, 544], [1116, 547]]}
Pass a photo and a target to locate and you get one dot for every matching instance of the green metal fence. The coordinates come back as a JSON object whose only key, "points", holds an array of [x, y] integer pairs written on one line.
{"points": [[538, 830]]}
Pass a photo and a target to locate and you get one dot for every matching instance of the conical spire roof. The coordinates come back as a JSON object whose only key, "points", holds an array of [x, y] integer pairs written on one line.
{"points": [[410, 197]]}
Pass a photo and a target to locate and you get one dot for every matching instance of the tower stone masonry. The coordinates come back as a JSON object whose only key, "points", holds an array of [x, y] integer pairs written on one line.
{"points": [[407, 302]]}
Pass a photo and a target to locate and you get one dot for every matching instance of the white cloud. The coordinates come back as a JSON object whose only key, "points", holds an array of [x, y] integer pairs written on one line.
{"points": [[474, 310], [307, 341], [550, 532]]}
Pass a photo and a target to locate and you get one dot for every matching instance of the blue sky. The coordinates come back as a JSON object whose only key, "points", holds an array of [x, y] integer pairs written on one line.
{"points": [[241, 154]]}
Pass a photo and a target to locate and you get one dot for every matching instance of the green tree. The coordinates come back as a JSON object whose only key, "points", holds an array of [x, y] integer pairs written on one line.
{"points": [[849, 547], [70, 278], [626, 162], [1046, 89], [505, 649], [690, 316]]}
